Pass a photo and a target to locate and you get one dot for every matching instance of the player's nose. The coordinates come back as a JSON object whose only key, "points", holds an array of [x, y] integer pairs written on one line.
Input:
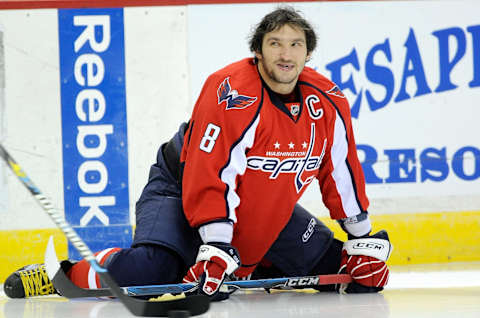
{"points": [[285, 53]]}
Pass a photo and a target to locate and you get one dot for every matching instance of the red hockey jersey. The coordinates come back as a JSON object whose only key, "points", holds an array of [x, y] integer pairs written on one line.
{"points": [[249, 157]]}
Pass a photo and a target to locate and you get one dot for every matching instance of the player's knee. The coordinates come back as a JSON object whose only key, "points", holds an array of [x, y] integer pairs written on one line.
{"points": [[145, 265]]}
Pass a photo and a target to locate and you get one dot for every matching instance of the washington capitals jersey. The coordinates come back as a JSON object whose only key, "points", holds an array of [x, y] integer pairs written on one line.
{"points": [[249, 157]]}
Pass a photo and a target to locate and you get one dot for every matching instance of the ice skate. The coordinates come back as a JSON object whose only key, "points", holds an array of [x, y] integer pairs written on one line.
{"points": [[28, 281]]}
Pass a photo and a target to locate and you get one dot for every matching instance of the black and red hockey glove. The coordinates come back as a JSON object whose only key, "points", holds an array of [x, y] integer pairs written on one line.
{"points": [[214, 262], [364, 259]]}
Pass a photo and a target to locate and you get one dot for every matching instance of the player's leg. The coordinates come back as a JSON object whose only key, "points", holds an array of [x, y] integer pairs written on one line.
{"points": [[162, 235], [142, 265], [164, 244], [304, 247], [32, 280]]}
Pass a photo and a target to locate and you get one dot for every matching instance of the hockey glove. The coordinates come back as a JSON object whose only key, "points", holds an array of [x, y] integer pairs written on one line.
{"points": [[364, 259], [214, 262]]}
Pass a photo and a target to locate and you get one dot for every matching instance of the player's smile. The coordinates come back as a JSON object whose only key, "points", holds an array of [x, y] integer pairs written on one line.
{"points": [[285, 66]]}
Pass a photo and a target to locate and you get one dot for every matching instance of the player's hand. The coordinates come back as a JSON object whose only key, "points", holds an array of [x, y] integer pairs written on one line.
{"points": [[364, 259], [214, 262]]}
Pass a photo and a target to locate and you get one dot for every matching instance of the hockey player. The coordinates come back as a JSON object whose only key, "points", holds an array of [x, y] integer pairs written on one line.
{"points": [[221, 199]]}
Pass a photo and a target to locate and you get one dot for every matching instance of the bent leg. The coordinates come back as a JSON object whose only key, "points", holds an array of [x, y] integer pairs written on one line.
{"points": [[141, 265], [146, 265], [304, 247], [301, 244]]}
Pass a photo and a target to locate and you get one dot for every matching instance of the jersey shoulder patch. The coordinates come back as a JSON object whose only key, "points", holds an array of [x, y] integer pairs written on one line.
{"points": [[231, 97], [335, 91]]}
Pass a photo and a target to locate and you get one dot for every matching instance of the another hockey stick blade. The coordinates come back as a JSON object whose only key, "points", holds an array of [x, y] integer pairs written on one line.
{"points": [[195, 305]]}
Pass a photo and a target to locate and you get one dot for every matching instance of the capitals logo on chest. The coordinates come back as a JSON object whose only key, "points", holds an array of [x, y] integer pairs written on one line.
{"points": [[297, 163]]}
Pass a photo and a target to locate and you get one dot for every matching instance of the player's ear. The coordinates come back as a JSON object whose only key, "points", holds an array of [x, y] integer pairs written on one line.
{"points": [[309, 56], [258, 55]]}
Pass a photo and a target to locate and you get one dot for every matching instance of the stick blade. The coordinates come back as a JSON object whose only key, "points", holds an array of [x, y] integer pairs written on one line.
{"points": [[195, 305]]}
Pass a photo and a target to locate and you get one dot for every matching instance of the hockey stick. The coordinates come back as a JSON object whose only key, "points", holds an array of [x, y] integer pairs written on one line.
{"points": [[269, 283], [66, 288], [195, 305]]}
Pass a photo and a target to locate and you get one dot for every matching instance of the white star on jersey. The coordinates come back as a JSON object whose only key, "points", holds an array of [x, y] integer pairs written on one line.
{"points": [[276, 145], [291, 145], [304, 145]]}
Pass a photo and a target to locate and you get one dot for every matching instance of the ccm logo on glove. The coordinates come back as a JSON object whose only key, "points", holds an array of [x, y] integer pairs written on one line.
{"points": [[374, 247], [368, 245]]}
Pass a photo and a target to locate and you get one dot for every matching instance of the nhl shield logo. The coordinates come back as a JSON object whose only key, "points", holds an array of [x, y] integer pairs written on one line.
{"points": [[294, 109]]}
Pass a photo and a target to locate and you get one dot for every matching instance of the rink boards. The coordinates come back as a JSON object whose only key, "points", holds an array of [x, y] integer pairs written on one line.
{"points": [[413, 86]]}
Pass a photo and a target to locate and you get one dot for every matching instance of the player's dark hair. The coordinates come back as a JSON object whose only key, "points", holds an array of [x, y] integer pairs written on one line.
{"points": [[277, 19]]}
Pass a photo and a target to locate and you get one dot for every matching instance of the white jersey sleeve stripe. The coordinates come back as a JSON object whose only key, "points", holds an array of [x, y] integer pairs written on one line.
{"points": [[237, 166], [341, 173]]}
